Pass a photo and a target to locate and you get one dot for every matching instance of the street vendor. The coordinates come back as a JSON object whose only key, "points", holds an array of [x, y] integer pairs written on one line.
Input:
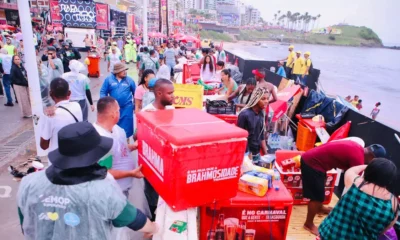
{"points": [[75, 198], [342, 154], [243, 93], [259, 75], [252, 119]]}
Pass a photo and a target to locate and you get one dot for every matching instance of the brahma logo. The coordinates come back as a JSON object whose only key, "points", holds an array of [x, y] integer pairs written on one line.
{"points": [[214, 174], [155, 162], [186, 101]]}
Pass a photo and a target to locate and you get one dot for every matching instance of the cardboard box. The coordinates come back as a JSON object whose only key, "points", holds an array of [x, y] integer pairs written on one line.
{"points": [[260, 218], [298, 199], [190, 157]]}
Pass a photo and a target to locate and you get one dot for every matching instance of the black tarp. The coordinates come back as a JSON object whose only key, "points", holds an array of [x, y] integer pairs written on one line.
{"points": [[80, 14], [246, 66]]}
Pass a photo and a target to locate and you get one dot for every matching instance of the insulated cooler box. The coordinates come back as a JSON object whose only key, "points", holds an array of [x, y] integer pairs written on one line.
{"points": [[190, 157], [248, 217]]}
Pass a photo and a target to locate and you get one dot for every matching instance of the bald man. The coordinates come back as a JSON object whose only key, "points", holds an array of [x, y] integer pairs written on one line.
{"points": [[164, 96]]}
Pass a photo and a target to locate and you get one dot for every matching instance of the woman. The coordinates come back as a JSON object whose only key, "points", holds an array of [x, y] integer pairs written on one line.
{"points": [[143, 87], [207, 70], [79, 87], [243, 93], [20, 81], [229, 85], [368, 208]]}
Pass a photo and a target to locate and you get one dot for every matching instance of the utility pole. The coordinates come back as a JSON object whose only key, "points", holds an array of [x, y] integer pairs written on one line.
{"points": [[32, 70], [145, 36]]}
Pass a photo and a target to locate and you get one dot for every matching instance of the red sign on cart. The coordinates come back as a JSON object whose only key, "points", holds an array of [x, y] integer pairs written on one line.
{"points": [[186, 165]]}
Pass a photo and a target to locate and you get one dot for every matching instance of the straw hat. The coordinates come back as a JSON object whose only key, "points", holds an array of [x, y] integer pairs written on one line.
{"points": [[119, 67]]}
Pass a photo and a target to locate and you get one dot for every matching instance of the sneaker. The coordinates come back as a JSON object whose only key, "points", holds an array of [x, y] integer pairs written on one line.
{"points": [[9, 105]]}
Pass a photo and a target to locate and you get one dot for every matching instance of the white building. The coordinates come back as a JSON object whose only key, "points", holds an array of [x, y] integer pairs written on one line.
{"points": [[189, 4]]}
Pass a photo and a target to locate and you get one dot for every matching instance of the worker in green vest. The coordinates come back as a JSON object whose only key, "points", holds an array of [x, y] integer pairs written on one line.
{"points": [[10, 48]]}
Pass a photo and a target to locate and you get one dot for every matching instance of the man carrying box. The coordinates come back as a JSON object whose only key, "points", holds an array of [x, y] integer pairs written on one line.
{"points": [[342, 154], [164, 98]]}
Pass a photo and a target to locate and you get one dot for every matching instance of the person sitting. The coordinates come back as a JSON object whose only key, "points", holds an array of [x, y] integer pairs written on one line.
{"points": [[368, 208], [243, 93], [281, 70], [207, 70], [229, 85], [317, 161], [75, 196], [252, 119]]}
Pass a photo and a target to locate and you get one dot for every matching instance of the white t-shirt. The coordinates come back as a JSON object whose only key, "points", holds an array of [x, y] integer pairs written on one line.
{"points": [[78, 83], [51, 125], [164, 72], [121, 155], [151, 107]]}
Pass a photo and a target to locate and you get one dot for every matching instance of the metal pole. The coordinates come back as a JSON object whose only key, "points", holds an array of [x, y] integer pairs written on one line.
{"points": [[145, 36], [32, 70]]}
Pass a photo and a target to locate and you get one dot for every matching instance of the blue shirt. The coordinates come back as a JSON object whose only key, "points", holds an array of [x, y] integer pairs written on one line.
{"points": [[169, 55], [281, 72], [123, 91]]}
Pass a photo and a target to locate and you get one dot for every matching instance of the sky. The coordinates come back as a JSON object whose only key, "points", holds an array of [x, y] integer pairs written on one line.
{"points": [[382, 16]]}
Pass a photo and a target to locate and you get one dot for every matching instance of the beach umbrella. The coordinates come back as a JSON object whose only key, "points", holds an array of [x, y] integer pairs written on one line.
{"points": [[177, 23], [7, 27], [178, 35], [188, 39], [153, 34]]}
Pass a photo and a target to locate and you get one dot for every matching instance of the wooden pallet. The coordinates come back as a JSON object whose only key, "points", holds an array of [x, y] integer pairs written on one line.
{"points": [[299, 212]]}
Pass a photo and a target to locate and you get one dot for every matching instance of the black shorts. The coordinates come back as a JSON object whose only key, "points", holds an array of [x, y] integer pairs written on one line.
{"points": [[313, 183]]}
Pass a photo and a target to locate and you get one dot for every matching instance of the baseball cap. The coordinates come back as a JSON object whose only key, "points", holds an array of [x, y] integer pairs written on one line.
{"points": [[378, 150]]}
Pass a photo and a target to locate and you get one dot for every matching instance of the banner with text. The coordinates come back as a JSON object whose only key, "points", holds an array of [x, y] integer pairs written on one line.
{"points": [[55, 14], [102, 16], [76, 13], [188, 96]]}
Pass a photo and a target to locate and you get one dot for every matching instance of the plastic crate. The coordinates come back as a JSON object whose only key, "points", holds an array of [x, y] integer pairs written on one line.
{"points": [[210, 92], [306, 137], [229, 110]]}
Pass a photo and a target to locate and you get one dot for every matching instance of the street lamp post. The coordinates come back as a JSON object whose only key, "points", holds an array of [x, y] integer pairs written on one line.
{"points": [[145, 36], [32, 69]]}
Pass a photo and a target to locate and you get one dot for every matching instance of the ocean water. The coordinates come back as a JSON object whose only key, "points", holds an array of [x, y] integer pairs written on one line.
{"points": [[371, 73]]}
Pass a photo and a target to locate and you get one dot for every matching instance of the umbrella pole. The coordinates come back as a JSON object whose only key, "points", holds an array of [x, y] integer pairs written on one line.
{"points": [[32, 70]]}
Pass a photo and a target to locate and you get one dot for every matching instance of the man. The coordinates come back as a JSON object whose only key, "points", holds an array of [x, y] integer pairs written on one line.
{"points": [[170, 58], [354, 102], [151, 62], [65, 113], [11, 49], [80, 87], [164, 98], [6, 63], [121, 163], [177, 49], [75, 196], [20, 51], [289, 62], [67, 54], [114, 45], [342, 154], [113, 58], [252, 119], [222, 55], [259, 75], [298, 67], [54, 64], [88, 42], [306, 69], [121, 87], [281, 71]]}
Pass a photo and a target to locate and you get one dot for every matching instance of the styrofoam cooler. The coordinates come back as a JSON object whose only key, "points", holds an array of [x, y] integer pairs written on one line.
{"points": [[190, 157]]}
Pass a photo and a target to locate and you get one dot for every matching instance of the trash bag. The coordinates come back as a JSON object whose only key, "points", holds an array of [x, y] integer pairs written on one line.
{"points": [[235, 73]]}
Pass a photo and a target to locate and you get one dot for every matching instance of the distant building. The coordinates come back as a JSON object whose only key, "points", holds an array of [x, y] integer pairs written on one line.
{"points": [[252, 16]]}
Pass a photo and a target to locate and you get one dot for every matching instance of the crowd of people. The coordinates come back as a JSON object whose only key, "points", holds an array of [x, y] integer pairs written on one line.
{"points": [[91, 168]]}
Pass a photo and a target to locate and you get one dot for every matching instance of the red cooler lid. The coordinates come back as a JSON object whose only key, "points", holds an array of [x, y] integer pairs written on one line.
{"points": [[190, 126], [272, 198]]}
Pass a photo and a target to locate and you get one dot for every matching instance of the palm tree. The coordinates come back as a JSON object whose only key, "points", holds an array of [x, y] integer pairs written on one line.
{"points": [[313, 19], [275, 15], [288, 18], [281, 20], [318, 17]]}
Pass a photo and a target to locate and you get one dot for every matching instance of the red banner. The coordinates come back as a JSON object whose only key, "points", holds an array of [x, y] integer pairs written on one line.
{"points": [[55, 13], [133, 23], [102, 16]]}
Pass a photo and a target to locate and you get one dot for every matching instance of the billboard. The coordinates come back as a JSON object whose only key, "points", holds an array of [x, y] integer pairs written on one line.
{"points": [[78, 13], [55, 14], [102, 16]]}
